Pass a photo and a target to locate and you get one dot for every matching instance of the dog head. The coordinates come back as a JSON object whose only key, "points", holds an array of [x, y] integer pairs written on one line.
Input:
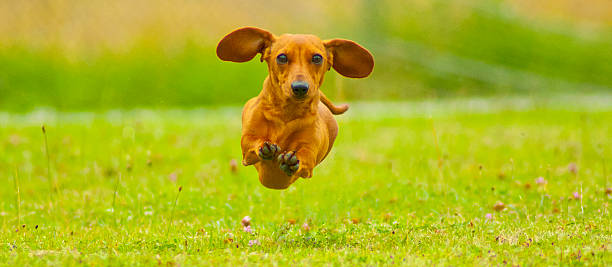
{"points": [[296, 62]]}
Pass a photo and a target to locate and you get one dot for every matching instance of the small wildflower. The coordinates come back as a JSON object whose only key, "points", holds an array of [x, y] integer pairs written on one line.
{"points": [[247, 229], [608, 191], [246, 221], [173, 176], [573, 168], [254, 243], [541, 181], [229, 239], [488, 216], [556, 210], [499, 206], [15, 139], [233, 166], [576, 195], [306, 227]]}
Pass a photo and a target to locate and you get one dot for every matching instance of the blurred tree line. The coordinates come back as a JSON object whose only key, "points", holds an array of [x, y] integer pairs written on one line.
{"points": [[83, 55]]}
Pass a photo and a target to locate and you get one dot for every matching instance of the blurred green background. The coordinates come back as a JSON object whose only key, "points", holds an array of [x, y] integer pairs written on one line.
{"points": [[89, 55]]}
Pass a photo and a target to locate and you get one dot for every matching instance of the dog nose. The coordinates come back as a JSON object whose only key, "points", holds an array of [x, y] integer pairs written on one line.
{"points": [[299, 88]]}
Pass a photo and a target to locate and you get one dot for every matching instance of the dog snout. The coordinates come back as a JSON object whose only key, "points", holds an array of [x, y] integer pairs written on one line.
{"points": [[300, 88]]}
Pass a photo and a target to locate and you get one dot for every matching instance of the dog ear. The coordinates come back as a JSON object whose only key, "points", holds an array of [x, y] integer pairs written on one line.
{"points": [[243, 44], [349, 58]]}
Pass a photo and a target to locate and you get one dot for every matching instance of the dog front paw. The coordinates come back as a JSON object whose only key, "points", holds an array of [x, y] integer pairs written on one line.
{"points": [[268, 150], [288, 163]]}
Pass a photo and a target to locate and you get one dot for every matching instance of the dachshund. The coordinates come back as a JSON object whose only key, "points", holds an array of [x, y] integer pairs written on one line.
{"points": [[289, 128]]}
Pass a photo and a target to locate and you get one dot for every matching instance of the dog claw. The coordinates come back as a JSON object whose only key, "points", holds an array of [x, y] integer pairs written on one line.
{"points": [[268, 150], [288, 163]]}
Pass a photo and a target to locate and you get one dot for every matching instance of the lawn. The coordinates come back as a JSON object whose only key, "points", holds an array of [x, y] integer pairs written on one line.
{"points": [[443, 182]]}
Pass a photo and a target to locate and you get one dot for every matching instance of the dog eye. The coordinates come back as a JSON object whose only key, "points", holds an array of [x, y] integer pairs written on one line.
{"points": [[317, 59], [282, 59]]}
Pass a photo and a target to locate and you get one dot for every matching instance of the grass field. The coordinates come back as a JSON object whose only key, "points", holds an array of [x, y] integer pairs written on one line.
{"points": [[447, 182]]}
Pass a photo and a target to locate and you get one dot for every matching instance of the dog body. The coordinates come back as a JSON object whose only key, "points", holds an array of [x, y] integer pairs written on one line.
{"points": [[309, 129], [289, 127]]}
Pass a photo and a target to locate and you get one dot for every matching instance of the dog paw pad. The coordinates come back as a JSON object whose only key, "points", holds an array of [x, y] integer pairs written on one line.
{"points": [[268, 150], [288, 163]]}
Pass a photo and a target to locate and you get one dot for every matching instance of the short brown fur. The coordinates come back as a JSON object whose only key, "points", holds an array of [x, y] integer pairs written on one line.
{"points": [[300, 127]]}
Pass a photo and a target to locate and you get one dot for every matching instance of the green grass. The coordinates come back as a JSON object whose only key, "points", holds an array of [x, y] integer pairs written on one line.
{"points": [[391, 191]]}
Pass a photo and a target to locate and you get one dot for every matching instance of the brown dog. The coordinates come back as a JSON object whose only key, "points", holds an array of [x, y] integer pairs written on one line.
{"points": [[289, 128]]}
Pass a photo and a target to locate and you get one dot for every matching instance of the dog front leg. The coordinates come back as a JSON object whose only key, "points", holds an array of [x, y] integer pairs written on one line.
{"points": [[308, 159], [249, 145]]}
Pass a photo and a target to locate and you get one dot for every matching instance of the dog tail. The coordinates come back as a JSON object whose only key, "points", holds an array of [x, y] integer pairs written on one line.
{"points": [[336, 110]]}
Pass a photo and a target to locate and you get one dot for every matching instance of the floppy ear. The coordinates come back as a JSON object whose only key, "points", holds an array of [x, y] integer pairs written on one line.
{"points": [[243, 44], [349, 58]]}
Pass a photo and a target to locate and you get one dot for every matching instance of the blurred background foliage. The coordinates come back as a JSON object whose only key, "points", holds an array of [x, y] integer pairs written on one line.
{"points": [[84, 55]]}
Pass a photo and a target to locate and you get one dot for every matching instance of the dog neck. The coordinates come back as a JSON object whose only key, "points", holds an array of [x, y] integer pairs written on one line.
{"points": [[277, 106]]}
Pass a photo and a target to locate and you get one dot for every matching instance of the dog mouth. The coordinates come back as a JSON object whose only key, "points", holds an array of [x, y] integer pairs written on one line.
{"points": [[300, 98]]}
